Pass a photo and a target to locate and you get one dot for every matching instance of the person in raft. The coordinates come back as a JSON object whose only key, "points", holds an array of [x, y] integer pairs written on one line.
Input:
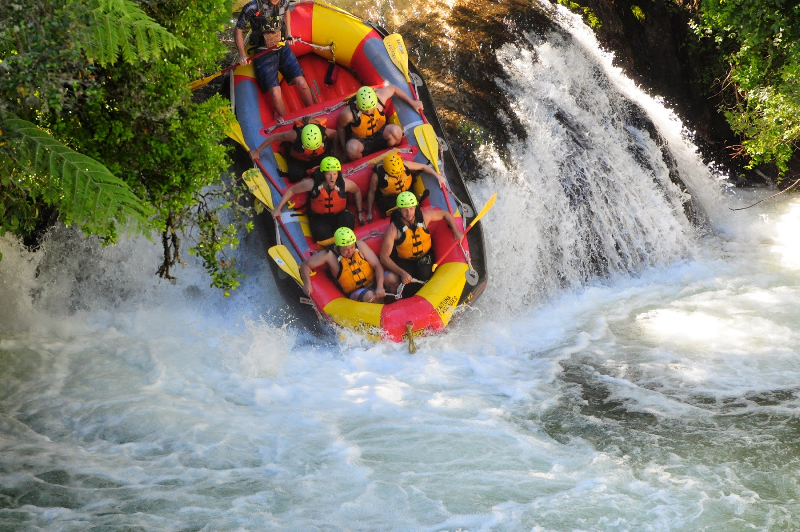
{"points": [[406, 247], [268, 19], [327, 200], [390, 178], [362, 123], [353, 265], [305, 145]]}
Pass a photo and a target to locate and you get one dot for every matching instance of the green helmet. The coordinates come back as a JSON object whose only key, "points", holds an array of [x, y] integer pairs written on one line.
{"points": [[344, 236], [406, 199], [366, 98], [330, 164], [311, 136]]}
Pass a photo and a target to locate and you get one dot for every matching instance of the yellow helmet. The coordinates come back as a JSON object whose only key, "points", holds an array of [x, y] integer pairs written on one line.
{"points": [[393, 164]]}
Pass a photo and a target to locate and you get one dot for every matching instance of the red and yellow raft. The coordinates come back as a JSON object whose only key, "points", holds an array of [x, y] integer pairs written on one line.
{"points": [[349, 52]]}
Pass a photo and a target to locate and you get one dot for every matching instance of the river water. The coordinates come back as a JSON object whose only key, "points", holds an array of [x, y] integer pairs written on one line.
{"points": [[633, 364]]}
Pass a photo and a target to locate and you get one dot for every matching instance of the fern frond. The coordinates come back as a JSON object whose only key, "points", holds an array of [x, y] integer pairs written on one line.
{"points": [[85, 192], [121, 29]]}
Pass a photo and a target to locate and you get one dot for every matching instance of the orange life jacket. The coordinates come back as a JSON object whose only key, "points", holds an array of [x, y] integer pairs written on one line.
{"points": [[414, 241], [323, 201], [298, 151], [354, 272], [390, 185], [366, 126]]}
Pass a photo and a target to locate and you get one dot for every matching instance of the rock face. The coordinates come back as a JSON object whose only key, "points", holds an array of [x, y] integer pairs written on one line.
{"points": [[648, 38]]}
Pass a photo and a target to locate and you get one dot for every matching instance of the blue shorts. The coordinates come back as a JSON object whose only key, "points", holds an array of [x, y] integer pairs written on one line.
{"points": [[359, 293], [268, 65]]}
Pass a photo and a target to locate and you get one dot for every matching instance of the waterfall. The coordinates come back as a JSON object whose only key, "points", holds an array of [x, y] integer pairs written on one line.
{"points": [[603, 182], [632, 364]]}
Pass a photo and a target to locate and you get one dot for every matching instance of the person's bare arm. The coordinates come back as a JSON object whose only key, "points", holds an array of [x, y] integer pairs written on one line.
{"points": [[414, 165], [386, 251], [435, 215], [345, 117], [392, 90], [303, 186], [372, 259], [373, 187], [351, 187], [238, 38], [312, 263], [286, 136], [287, 19]]}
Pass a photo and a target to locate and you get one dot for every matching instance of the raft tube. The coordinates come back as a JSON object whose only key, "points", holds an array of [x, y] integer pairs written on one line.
{"points": [[336, 44]]}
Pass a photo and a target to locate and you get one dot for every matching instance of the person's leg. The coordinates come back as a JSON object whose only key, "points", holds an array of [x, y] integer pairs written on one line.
{"points": [[279, 108], [354, 149], [390, 281], [322, 226], [424, 267], [345, 219], [298, 170], [385, 202], [392, 134], [291, 70], [304, 90]]}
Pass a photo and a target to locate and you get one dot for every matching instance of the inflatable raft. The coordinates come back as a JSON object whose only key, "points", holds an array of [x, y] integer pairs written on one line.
{"points": [[340, 52]]}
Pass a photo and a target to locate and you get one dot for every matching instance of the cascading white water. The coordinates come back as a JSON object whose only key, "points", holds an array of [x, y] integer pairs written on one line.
{"points": [[626, 369]]}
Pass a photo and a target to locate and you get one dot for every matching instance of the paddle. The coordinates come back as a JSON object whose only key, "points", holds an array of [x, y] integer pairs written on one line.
{"points": [[283, 258], [397, 53], [234, 131], [205, 81], [489, 205], [428, 144], [258, 186]]}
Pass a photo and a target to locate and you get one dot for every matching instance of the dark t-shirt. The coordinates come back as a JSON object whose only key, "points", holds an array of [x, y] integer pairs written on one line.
{"points": [[267, 22]]}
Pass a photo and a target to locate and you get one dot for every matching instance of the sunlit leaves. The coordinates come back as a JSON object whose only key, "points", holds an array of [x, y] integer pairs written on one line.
{"points": [[82, 189], [760, 39]]}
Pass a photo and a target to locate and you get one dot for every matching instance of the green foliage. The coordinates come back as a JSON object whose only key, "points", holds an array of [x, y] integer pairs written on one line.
{"points": [[588, 15], [638, 13], [760, 39], [120, 28], [120, 97], [82, 189]]}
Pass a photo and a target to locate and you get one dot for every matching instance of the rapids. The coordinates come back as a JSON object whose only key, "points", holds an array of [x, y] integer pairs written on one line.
{"points": [[633, 364]]}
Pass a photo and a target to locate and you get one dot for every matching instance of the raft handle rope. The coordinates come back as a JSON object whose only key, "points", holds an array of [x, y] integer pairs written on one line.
{"points": [[399, 294], [354, 169], [412, 347], [281, 122]]}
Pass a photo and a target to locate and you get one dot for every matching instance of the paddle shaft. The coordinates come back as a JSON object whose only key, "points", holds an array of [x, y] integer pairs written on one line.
{"points": [[485, 209], [205, 81]]}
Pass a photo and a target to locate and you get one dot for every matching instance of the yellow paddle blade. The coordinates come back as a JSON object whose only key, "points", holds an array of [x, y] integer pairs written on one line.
{"points": [[258, 186], [193, 86], [234, 131], [283, 258], [485, 209], [282, 164], [428, 143], [397, 53], [489, 205], [325, 243]]}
